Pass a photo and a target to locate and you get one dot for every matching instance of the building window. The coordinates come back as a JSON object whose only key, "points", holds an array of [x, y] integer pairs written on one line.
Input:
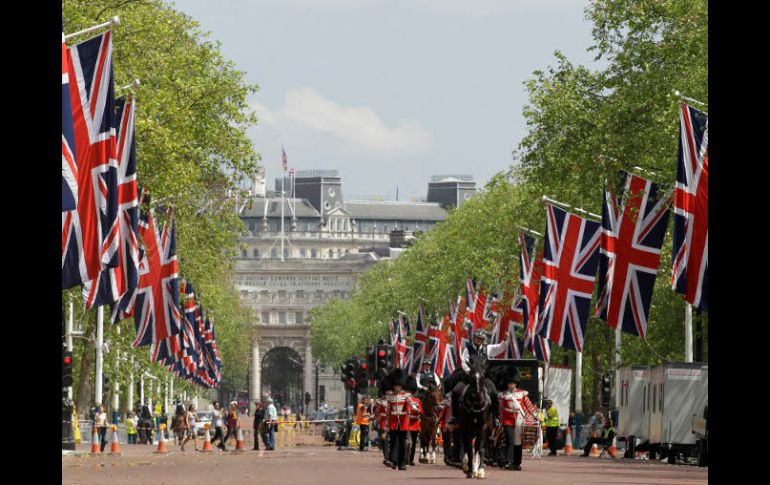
{"points": [[264, 296], [282, 318], [255, 253], [300, 295], [274, 253], [285, 253], [299, 317], [331, 254], [244, 253], [314, 253], [265, 318], [339, 253], [319, 295], [303, 253]]}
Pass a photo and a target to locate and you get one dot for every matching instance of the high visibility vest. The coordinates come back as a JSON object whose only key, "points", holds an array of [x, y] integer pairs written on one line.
{"points": [[130, 427], [552, 417]]}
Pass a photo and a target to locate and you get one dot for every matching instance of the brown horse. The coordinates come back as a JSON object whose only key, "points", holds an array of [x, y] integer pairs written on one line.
{"points": [[432, 409]]}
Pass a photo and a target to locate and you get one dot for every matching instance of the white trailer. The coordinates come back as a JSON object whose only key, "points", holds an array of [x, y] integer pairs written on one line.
{"points": [[633, 420]]}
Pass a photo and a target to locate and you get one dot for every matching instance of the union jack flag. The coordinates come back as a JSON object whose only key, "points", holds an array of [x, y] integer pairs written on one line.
{"points": [[690, 274], [285, 160], [530, 270], [450, 358], [477, 317], [119, 283], [632, 235], [156, 310], [393, 332], [435, 350], [420, 341], [69, 168], [569, 271], [513, 350], [292, 172], [86, 250]]}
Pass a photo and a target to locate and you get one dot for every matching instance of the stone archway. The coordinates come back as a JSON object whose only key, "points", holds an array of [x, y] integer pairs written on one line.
{"points": [[283, 377]]}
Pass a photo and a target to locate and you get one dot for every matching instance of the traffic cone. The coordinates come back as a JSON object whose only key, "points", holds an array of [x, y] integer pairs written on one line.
{"points": [[115, 447], [613, 448], [161, 440], [207, 441], [595, 450], [95, 450], [239, 441], [568, 442]]}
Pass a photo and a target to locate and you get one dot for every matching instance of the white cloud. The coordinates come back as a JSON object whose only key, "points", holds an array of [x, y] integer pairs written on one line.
{"points": [[359, 128]]}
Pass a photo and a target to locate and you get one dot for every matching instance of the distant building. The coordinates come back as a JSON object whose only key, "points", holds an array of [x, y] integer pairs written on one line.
{"points": [[327, 243]]}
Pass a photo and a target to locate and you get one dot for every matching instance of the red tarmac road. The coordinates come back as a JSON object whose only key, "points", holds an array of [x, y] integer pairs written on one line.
{"points": [[324, 464]]}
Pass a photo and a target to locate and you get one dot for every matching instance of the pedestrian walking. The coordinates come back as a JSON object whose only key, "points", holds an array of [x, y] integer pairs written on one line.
{"points": [[270, 426], [217, 419], [178, 424], [190, 419], [131, 425], [100, 423], [259, 417], [362, 420], [231, 421]]}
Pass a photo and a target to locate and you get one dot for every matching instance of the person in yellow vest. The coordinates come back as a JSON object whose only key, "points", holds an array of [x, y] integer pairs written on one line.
{"points": [[131, 422], [551, 425], [362, 420]]}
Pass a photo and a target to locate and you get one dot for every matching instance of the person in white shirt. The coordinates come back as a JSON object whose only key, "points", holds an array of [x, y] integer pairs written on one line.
{"points": [[271, 419], [218, 422], [100, 423], [478, 347]]}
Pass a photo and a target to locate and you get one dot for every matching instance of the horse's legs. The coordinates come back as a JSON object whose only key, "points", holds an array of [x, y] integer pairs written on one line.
{"points": [[481, 442]]}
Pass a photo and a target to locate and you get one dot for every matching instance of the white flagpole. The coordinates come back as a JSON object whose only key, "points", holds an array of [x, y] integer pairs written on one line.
{"points": [[114, 21], [567, 206], [688, 332], [578, 382], [682, 96], [70, 318], [115, 384], [99, 355], [617, 366]]}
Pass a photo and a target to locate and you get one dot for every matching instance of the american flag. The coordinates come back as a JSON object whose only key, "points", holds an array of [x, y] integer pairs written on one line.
{"points": [[119, 283], [690, 273], [632, 235], [69, 168], [85, 248], [285, 159], [156, 310], [569, 273], [420, 341]]}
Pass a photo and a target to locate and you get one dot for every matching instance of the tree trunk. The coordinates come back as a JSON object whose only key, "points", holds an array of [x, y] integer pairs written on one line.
{"points": [[596, 362], [85, 396]]}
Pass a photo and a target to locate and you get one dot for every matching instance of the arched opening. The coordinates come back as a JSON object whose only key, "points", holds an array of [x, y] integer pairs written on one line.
{"points": [[282, 377]]}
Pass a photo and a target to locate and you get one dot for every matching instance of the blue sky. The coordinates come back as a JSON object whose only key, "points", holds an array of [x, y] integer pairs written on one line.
{"points": [[390, 92]]}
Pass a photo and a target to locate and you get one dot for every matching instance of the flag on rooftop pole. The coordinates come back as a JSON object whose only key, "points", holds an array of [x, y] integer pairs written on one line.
{"points": [[691, 217], [69, 168], [633, 228], [285, 160], [86, 248], [569, 273]]}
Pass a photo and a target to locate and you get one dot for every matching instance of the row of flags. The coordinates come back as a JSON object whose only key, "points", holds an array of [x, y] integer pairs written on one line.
{"points": [[553, 301], [110, 248]]}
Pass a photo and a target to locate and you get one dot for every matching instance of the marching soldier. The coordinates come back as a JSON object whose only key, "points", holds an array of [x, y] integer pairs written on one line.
{"points": [[400, 405], [515, 406], [381, 415], [414, 429]]}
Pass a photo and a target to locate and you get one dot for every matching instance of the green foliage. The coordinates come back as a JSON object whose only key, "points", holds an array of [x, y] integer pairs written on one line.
{"points": [[192, 148], [583, 125]]}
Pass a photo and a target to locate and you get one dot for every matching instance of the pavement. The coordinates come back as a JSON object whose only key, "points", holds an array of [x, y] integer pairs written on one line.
{"points": [[319, 463]]}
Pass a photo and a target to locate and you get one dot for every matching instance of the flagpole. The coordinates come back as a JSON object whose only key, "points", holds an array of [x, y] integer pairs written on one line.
{"points": [[530, 231], [133, 85], [567, 206], [113, 21], [578, 383], [682, 96], [617, 366], [130, 397], [688, 332], [68, 335], [115, 384], [99, 355]]}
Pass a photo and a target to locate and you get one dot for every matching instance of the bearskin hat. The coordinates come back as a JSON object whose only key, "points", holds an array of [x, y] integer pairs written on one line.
{"points": [[397, 377]]}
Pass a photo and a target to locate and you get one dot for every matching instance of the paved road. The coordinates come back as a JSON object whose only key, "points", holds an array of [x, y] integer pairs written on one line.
{"points": [[324, 464]]}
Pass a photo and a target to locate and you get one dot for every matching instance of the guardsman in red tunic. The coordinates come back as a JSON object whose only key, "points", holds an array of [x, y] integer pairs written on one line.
{"points": [[381, 414], [514, 406], [414, 429], [400, 405]]}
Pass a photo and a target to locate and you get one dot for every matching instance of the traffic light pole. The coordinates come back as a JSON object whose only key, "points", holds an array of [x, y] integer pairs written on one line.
{"points": [[99, 355]]}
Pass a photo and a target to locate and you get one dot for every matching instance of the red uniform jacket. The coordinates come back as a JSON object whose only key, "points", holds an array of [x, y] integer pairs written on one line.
{"points": [[446, 413], [382, 412], [509, 408], [414, 419], [400, 406]]}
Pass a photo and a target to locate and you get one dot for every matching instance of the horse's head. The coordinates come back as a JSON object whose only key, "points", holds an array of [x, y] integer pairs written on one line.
{"points": [[478, 367]]}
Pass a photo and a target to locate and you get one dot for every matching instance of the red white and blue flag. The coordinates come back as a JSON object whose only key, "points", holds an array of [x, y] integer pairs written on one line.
{"points": [[86, 249], [118, 284], [569, 272], [420, 341], [285, 160], [156, 309], [530, 271], [632, 235], [436, 344], [69, 168], [450, 357], [690, 275]]}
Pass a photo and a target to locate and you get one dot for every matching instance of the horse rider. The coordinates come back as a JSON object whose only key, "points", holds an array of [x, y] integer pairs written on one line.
{"points": [[400, 405], [425, 377], [477, 346], [515, 406]]}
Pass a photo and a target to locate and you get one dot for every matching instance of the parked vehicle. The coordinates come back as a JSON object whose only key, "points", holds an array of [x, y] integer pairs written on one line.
{"points": [[203, 418]]}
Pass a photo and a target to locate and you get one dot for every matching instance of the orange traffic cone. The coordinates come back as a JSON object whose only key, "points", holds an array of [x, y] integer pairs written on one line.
{"points": [[595, 450], [115, 447], [161, 440], [95, 449], [568, 442], [239, 446], [613, 448], [207, 441]]}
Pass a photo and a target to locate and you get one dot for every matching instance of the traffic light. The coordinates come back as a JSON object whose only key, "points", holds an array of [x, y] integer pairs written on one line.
{"points": [[105, 383], [606, 389], [361, 377], [384, 360], [66, 369], [371, 362]]}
